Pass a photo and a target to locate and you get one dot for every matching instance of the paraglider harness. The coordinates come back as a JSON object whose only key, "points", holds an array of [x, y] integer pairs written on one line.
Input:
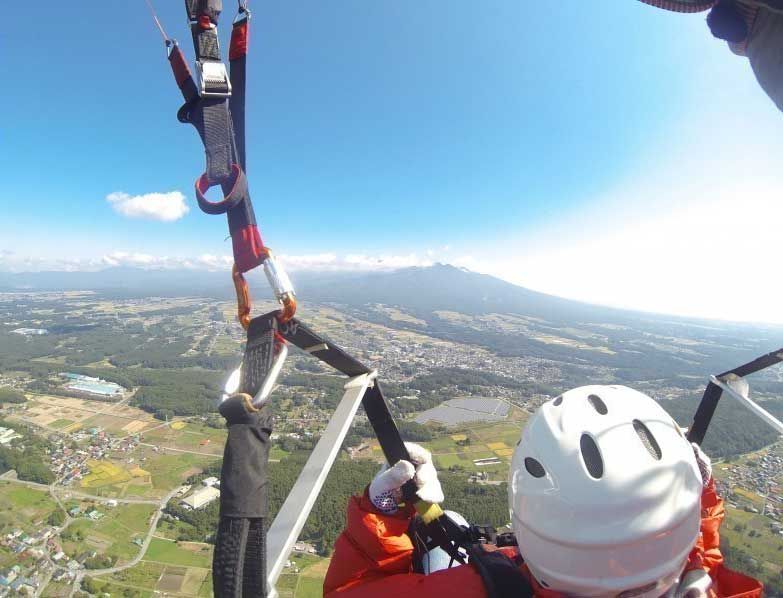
{"points": [[215, 106]]}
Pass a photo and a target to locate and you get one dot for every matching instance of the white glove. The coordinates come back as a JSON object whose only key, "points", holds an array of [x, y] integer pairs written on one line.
{"points": [[695, 584], [705, 464], [386, 489]]}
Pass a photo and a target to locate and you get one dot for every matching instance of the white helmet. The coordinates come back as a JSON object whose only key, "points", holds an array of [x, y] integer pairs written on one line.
{"points": [[604, 493]]}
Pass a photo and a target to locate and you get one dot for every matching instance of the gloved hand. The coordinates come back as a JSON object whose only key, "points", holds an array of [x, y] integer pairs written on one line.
{"points": [[386, 489], [705, 464]]}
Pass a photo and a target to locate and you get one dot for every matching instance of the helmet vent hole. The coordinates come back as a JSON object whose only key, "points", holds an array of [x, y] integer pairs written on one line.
{"points": [[558, 401], [591, 456], [598, 404], [543, 583], [648, 440], [534, 467]]}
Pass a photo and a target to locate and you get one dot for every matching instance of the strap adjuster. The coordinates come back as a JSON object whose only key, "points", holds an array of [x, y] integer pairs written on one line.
{"points": [[212, 79]]}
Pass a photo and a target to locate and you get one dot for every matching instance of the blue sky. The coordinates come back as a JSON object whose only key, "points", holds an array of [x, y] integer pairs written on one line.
{"points": [[574, 147]]}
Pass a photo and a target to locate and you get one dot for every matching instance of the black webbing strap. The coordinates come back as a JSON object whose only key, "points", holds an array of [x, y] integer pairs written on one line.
{"points": [[230, 575], [500, 573], [443, 531], [259, 352], [712, 394], [211, 116], [239, 562]]}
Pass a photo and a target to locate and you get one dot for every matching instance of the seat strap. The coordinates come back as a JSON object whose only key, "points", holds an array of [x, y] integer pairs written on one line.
{"points": [[500, 574], [239, 562]]}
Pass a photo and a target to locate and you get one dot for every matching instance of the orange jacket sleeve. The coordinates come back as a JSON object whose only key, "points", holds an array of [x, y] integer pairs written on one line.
{"points": [[707, 554], [372, 557], [373, 545]]}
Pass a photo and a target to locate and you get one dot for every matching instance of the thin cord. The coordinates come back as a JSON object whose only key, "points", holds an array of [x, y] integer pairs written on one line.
{"points": [[157, 21]]}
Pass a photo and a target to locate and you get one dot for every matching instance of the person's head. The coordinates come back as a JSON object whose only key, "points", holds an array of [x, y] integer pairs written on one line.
{"points": [[604, 494]]}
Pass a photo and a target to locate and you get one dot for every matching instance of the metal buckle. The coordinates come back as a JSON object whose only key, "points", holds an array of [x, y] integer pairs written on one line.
{"points": [[234, 380], [212, 79]]}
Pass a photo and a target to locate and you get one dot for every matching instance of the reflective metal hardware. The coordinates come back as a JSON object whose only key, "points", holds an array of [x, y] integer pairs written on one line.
{"points": [[750, 404], [170, 45], [271, 378], [235, 378], [243, 15], [278, 279], [232, 384], [212, 79]]}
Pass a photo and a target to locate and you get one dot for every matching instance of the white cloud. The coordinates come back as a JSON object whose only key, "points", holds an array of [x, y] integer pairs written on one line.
{"points": [[165, 207], [210, 262], [353, 262]]}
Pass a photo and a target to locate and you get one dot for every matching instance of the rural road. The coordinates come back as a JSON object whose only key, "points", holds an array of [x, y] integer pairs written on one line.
{"points": [[59, 490], [135, 560]]}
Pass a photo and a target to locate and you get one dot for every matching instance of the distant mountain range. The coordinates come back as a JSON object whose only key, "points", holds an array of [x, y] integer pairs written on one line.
{"points": [[420, 290]]}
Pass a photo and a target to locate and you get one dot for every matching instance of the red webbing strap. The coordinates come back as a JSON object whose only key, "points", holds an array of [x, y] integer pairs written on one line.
{"points": [[249, 250], [182, 74], [237, 54], [239, 38]]}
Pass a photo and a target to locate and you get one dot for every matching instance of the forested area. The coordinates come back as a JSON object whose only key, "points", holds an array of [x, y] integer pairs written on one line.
{"points": [[733, 430], [464, 379], [477, 503], [26, 455], [11, 395]]}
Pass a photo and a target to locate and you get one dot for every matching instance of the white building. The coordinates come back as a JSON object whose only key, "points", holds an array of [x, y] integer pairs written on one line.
{"points": [[201, 497], [7, 435], [31, 331], [211, 481]]}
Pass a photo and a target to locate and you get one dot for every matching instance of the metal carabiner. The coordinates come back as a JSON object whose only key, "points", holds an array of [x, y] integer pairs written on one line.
{"points": [[281, 286], [243, 297], [268, 385]]}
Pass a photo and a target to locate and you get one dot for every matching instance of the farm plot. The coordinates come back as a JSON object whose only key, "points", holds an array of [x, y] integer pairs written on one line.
{"points": [[24, 508], [185, 554], [192, 436], [112, 535]]}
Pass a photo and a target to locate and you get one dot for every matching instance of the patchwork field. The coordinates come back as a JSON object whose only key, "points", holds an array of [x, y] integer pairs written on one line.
{"points": [[152, 474], [68, 414], [112, 535], [479, 441]]}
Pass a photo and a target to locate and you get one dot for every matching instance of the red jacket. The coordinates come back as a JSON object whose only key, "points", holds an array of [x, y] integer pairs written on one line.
{"points": [[372, 557]]}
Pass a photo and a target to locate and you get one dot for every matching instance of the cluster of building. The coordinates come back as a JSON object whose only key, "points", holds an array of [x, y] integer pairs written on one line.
{"points": [[70, 464], [93, 513], [33, 561], [92, 386], [761, 475], [15, 582], [201, 497]]}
